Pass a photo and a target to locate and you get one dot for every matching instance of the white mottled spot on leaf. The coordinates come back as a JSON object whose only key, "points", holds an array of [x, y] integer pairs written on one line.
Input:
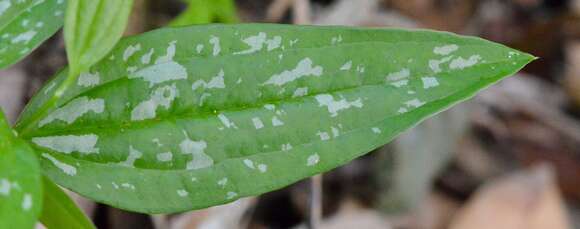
{"points": [[336, 40], [429, 82], [160, 73], [157, 142], [227, 123], [5, 187], [257, 43], [65, 168], [396, 76], [199, 158], [400, 83], [27, 202], [4, 5], [165, 157], [376, 130], [132, 69], [182, 192], [223, 182], [334, 106], [146, 58], [304, 68], [169, 54], [445, 50], [435, 65], [300, 92], [162, 96], [88, 79], [74, 110], [270, 107], [257, 123], [293, 42], [274, 43], [128, 186], [67, 144], [215, 41], [130, 51], [133, 156], [286, 147], [416, 103], [276, 121], [199, 48], [231, 195], [347, 66], [215, 82], [313, 160], [24, 37], [324, 136], [335, 132], [249, 163], [262, 168], [461, 63]]}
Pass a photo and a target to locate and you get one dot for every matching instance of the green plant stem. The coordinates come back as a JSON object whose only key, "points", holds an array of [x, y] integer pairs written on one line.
{"points": [[49, 105]]}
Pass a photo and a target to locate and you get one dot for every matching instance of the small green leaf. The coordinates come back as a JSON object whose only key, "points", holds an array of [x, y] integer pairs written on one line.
{"points": [[25, 24], [59, 210], [91, 30], [207, 11], [191, 117], [20, 187]]}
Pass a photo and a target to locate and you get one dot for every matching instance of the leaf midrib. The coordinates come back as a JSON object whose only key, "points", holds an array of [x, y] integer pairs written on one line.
{"points": [[485, 80], [125, 77], [206, 115]]}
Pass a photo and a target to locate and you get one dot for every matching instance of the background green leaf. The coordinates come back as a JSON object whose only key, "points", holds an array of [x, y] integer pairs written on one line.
{"points": [[92, 28], [20, 185], [207, 11], [25, 24], [59, 210], [186, 118]]}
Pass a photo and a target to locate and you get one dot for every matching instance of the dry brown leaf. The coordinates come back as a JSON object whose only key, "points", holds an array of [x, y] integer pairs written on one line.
{"points": [[527, 200]]}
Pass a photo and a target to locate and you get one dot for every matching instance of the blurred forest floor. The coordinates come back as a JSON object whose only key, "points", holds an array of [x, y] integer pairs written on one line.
{"points": [[509, 158]]}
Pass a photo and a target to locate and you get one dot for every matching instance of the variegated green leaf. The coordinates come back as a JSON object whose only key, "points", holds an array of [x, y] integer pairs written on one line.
{"points": [[20, 184], [25, 24], [186, 118]]}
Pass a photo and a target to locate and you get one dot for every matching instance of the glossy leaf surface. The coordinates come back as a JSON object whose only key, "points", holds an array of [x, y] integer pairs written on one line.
{"points": [[185, 118], [25, 24], [20, 184]]}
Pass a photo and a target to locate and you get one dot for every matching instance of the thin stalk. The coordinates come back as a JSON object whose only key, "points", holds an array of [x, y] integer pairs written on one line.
{"points": [[50, 103], [315, 202]]}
